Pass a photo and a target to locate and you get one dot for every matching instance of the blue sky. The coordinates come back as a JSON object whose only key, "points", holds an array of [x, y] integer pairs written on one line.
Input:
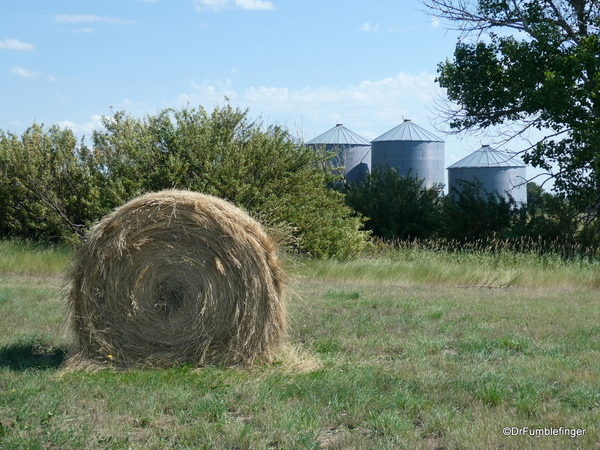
{"points": [[304, 64]]}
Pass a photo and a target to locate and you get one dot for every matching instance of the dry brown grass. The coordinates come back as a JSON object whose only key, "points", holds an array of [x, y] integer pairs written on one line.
{"points": [[176, 277]]}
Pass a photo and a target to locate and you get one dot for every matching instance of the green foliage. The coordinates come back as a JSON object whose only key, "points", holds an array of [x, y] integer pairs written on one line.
{"points": [[472, 214], [47, 184], [264, 171], [53, 187], [551, 218], [396, 207], [546, 78], [400, 208]]}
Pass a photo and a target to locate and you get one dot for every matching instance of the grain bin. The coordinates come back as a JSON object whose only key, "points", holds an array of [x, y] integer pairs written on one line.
{"points": [[412, 150], [497, 171], [352, 151]]}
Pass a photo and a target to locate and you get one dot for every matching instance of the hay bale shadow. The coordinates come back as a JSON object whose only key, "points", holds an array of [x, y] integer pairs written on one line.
{"points": [[25, 355]]}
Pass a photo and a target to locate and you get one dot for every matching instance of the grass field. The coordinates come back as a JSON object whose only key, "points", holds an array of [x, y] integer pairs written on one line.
{"points": [[408, 349]]}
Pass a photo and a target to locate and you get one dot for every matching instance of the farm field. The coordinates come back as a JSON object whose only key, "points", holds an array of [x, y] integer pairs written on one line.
{"points": [[409, 349]]}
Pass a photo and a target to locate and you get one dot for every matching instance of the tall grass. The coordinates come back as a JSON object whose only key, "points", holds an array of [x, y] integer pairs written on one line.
{"points": [[24, 258], [490, 264]]}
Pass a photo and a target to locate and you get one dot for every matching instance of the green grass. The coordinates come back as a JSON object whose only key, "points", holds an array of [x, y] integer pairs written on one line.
{"points": [[413, 265], [19, 258], [399, 351]]}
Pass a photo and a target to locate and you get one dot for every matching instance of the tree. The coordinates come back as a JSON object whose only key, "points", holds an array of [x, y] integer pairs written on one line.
{"points": [[52, 187], [551, 219], [47, 189], [471, 214], [263, 170], [396, 207], [534, 64]]}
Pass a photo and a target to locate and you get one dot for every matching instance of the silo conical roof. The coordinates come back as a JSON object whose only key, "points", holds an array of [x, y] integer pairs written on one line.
{"points": [[408, 131], [487, 156], [339, 135]]}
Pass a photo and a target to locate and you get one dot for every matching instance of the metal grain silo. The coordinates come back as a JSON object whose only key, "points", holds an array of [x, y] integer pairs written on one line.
{"points": [[352, 151], [412, 150], [496, 170]]}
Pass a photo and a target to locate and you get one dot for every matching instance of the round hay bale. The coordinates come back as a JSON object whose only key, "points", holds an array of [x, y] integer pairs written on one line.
{"points": [[177, 277]]}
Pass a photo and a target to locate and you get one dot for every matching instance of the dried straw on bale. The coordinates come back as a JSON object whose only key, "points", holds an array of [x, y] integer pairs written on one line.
{"points": [[174, 277]]}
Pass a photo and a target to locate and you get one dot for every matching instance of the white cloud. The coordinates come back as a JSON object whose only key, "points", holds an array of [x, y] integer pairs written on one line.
{"points": [[15, 44], [79, 18], [370, 28], [84, 30], [435, 22], [369, 108], [30, 74], [218, 5], [25, 73], [86, 128], [254, 4]]}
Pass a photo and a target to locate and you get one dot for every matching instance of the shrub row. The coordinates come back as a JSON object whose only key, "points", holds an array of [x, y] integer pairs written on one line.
{"points": [[54, 187], [401, 208]]}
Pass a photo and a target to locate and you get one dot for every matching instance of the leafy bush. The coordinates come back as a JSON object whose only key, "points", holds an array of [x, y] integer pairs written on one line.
{"points": [[264, 171], [47, 186], [550, 218], [54, 186], [396, 207], [473, 214]]}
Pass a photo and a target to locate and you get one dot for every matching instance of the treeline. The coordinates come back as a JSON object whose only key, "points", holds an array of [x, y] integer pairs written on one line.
{"points": [[401, 208], [53, 187]]}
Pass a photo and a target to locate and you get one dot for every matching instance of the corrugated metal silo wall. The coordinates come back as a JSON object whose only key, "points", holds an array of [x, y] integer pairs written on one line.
{"points": [[356, 159], [421, 159], [500, 179]]}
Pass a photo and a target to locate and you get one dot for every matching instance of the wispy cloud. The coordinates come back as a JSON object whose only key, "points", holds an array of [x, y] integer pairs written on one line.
{"points": [[371, 106], [15, 44], [84, 30], [369, 28], [218, 5], [25, 73], [80, 18], [86, 128], [30, 74], [254, 4]]}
